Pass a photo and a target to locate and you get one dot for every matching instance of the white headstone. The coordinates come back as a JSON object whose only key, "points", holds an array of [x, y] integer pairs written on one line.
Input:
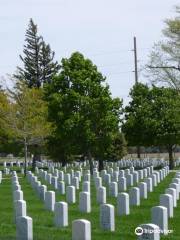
{"points": [[101, 195], [71, 194], [50, 200], [123, 204], [159, 216], [107, 219], [149, 232], [85, 202], [134, 196], [81, 230], [24, 226], [166, 200], [61, 214]]}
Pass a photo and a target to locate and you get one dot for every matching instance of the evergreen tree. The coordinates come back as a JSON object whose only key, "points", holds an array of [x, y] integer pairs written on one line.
{"points": [[31, 72], [48, 67], [38, 59]]}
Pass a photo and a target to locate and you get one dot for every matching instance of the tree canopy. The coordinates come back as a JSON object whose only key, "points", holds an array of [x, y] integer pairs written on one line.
{"points": [[153, 118], [81, 108]]}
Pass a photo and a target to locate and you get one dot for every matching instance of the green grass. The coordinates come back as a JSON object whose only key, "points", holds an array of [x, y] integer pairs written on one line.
{"points": [[43, 226]]}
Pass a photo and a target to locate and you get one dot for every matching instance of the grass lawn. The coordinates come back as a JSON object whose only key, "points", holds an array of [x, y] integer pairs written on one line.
{"points": [[43, 226]]}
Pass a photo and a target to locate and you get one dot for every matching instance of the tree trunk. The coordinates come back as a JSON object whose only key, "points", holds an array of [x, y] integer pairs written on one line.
{"points": [[25, 157], [171, 159], [139, 152], [90, 162], [63, 161], [101, 165]]}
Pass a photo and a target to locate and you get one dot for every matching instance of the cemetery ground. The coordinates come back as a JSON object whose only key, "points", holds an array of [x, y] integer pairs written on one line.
{"points": [[43, 220]]}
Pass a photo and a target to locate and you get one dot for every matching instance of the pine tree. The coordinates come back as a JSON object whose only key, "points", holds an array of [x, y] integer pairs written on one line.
{"points": [[31, 72], [48, 67], [38, 59]]}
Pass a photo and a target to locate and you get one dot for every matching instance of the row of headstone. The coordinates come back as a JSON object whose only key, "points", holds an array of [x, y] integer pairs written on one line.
{"points": [[24, 224], [160, 214], [124, 200], [81, 229], [124, 163]]}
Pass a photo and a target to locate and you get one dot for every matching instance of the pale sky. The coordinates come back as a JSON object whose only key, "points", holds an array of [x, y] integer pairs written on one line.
{"points": [[102, 30]]}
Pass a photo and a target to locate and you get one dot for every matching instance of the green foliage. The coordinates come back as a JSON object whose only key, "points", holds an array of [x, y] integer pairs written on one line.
{"points": [[8, 143], [152, 116], [24, 115], [81, 108], [138, 117]]}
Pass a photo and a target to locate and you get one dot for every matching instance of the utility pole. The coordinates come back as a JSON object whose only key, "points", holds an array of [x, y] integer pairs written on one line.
{"points": [[135, 61], [136, 81]]}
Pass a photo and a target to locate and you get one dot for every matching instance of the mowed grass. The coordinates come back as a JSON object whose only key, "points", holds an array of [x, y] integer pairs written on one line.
{"points": [[43, 220]]}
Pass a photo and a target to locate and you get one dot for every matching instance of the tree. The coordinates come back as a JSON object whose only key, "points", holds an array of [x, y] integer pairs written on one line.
{"points": [[81, 108], [137, 119], [166, 116], [8, 143], [48, 67], [118, 148], [38, 59], [25, 117], [164, 63], [152, 118]]}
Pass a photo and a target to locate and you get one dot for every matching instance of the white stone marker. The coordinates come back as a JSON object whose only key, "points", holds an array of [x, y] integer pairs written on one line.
{"points": [[61, 214], [54, 182], [48, 177], [176, 180], [122, 184], [61, 176], [107, 219], [42, 191], [20, 209], [98, 182], [107, 178], [75, 182], [134, 196], [17, 195], [129, 178], [159, 216], [85, 202], [61, 187], [67, 179], [86, 187], [123, 204], [149, 184], [101, 195], [71, 194], [143, 190], [172, 191], [113, 189], [154, 180], [81, 230], [175, 186], [121, 173], [135, 178], [87, 177], [24, 228], [50, 200], [166, 200], [150, 232]]}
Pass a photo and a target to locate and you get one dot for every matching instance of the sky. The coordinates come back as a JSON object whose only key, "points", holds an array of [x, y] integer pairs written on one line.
{"points": [[102, 30]]}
